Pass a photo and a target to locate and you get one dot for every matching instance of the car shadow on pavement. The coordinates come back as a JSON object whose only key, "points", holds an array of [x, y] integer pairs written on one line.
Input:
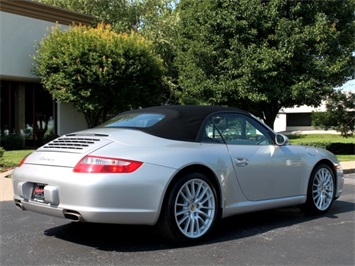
{"points": [[110, 237], [252, 224], [137, 238]]}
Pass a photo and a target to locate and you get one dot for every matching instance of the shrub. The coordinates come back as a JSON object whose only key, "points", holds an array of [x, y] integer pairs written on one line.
{"points": [[4, 165], [99, 71], [12, 142], [1, 153], [334, 147], [342, 148], [51, 136]]}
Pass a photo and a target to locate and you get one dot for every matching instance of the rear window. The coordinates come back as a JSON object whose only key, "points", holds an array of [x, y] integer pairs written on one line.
{"points": [[133, 120]]}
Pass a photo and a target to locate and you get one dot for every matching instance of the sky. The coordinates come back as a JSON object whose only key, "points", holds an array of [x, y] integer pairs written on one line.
{"points": [[349, 86]]}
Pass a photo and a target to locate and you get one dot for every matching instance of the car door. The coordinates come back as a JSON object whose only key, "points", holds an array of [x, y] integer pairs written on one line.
{"points": [[264, 170]]}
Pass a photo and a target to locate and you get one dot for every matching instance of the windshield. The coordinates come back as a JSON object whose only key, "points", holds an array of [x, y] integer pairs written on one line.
{"points": [[133, 120]]}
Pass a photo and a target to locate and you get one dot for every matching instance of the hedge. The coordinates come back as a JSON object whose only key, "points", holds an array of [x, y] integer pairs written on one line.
{"points": [[12, 142], [334, 147]]}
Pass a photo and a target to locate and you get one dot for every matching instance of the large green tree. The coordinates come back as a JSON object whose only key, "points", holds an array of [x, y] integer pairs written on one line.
{"points": [[159, 21], [121, 14], [264, 55], [101, 72]]}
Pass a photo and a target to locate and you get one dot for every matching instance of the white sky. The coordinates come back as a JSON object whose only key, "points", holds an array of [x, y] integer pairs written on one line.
{"points": [[349, 86]]}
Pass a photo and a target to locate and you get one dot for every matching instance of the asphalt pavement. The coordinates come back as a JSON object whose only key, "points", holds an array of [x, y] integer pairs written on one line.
{"points": [[280, 237]]}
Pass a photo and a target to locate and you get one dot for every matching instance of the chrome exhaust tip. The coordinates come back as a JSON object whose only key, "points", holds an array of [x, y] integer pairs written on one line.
{"points": [[73, 216], [19, 205]]}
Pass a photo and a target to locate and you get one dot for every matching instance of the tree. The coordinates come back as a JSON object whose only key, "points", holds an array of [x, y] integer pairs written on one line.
{"points": [[156, 20], [264, 55], [99, 71], [120, 14], [340, 114]]}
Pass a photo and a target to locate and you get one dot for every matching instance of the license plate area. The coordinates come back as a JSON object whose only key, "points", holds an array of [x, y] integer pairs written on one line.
{"points": [[38, 192]]}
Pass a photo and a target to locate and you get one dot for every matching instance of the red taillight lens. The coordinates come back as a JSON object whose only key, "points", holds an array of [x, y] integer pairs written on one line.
{"points": [[23, 160], [94, 164]]}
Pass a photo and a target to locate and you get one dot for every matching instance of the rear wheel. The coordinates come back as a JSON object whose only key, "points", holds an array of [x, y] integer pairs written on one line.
{"points": [[190, 210], [321, 190]]}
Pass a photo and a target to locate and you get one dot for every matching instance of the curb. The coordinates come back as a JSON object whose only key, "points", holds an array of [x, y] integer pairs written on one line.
{"points": [[348, 171], [6, 174]]}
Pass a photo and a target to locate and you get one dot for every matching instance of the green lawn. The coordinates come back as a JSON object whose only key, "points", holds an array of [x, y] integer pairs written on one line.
{"points": [[16, 156], [12, 158], [346, 158], [298, 138]]}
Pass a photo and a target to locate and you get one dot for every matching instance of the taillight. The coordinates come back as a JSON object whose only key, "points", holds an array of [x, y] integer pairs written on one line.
{"points": [[23, 160], [337, 167], [96, 164]]}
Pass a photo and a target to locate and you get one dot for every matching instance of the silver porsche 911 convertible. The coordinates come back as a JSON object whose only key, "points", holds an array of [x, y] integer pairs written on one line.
{"points": [[180, 168]]}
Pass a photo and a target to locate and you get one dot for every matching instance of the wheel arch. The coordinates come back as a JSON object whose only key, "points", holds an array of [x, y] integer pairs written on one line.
{"points": [[331, 166], [310, 206], [198, 168], [326, 162]]}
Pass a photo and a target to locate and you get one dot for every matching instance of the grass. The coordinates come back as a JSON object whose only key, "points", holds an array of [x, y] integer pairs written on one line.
{"points": [[303, 138], [346, 158], [298, 138], [13, 158]]}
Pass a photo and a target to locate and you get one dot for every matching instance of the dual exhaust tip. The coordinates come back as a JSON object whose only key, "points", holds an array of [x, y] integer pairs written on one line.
{"points": [[19, 205], [73, 216]]}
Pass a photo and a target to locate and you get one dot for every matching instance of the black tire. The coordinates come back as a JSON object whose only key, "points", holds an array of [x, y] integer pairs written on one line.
{"points": [[321, 191], [190, 210]]}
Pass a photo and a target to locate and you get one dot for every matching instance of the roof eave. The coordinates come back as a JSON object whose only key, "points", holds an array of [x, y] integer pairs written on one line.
{"points": [[44, 12]]}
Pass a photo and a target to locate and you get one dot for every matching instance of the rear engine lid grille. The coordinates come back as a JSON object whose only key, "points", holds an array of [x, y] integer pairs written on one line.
{"points": [[71, 143], [76, 143]]}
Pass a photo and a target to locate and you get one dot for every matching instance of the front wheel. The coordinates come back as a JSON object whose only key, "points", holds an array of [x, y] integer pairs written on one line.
{"points": [[190, 209], [321, 191]]}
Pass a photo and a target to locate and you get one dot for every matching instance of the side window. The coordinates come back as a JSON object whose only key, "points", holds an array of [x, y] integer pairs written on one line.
{"points": [[211, 134], [239, 129]]}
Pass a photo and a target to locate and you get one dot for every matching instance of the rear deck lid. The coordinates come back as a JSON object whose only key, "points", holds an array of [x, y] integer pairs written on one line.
{"points": [[67, 151]]}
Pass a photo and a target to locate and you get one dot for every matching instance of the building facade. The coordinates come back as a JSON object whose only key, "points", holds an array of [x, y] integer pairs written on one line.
{"points": [[27, 109], [296, 118]]}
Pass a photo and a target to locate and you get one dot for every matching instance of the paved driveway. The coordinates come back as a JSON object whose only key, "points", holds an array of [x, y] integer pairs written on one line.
{"points": [[276, 237]]}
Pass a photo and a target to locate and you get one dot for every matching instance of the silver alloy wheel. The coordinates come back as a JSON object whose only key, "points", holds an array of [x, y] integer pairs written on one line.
{"points": [[323, 189], [195, 208]]}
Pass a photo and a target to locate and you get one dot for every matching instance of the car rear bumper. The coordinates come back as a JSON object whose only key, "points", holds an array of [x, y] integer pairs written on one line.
{"points": [[99, 198], [114, 216]]}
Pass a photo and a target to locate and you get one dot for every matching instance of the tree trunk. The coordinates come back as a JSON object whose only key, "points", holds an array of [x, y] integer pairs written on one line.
{"points": [[267, 112], [93, 118]]}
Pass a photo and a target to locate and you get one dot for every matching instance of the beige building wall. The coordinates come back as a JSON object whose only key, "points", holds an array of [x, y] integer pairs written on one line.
{"points": [[69, 120], [19, 36], [23, 24]]}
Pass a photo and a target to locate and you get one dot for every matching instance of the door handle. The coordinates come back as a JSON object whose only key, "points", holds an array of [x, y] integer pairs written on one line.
{"points": [[241, 162]]}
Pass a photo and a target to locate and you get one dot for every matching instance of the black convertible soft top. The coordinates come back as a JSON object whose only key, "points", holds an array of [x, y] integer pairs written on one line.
{"points": [[180, 122]]}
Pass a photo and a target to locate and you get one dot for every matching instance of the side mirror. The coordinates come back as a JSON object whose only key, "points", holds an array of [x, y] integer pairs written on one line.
{"points": [[281, 139]]}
